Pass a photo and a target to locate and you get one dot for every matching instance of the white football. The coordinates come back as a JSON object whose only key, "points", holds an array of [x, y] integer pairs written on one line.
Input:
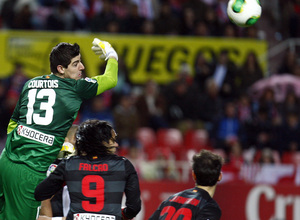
{"points": [[244, 13]]}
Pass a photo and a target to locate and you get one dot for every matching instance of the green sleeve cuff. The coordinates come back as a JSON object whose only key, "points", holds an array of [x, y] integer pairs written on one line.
{"points": [[110, 77], [11, 126]]}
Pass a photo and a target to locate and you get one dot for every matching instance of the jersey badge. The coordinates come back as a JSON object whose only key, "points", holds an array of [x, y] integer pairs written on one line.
{"points": [[51, 168], [90, 80]]}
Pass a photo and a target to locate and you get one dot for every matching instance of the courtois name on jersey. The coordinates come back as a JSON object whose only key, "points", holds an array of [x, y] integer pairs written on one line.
{"points": [[33, 134], [41, 84]]}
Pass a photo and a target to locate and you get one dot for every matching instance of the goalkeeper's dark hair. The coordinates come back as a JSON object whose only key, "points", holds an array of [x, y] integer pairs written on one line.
{"points": [[207, 167], [90, 138], [62, 54]]}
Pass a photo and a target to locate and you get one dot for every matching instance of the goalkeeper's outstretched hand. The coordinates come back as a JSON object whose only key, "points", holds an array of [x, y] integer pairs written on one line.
{"points": [[104, 49]]}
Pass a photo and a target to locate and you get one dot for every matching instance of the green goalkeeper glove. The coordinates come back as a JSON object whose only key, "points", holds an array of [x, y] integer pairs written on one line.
{"points": [[104, 49]]}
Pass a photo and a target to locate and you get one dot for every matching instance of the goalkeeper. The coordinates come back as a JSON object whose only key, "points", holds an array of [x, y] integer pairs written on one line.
{"points": [[46, 109]]}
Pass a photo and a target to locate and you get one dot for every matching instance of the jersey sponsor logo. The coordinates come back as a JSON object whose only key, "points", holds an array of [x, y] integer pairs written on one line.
{"points": [[92, 216], [93, 167], [90, 80], [41, 84], [183, 200], [35, 135]]}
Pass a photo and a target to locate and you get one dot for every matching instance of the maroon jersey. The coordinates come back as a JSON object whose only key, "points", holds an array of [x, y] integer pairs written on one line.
{"points": [[95, 186], [193, 204]]}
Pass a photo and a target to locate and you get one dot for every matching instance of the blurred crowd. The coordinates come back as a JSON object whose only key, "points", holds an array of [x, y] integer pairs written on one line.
{"points": [[219, 100], [162, 17]]}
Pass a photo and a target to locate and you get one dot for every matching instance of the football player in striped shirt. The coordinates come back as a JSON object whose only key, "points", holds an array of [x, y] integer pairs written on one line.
{"points": [[196, 203], [96, 177]]}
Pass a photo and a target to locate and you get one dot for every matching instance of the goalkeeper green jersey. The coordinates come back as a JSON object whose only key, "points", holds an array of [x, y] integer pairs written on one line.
{"points": [[47, 107]]}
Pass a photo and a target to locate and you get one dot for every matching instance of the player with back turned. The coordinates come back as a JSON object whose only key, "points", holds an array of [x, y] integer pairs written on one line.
{"points": [[196, 203], [46, 109], [96, 177]]}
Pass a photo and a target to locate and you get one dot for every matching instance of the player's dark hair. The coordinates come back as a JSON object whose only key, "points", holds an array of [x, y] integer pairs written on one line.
{"points": [[90, 138], [207, 168], [62, 54]]}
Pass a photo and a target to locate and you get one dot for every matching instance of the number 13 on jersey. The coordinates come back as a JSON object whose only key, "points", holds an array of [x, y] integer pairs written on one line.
{"points": [[34, 96]]}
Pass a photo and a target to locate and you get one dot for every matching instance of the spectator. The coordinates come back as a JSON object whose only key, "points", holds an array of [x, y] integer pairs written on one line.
{"points": [[16, 80], [14, 84], [80, 9], [113, 27], [63, 18], [260, 131], [97, 109], [199, 8], [294, 19], [180, 99], [203, 71], [249, 72], [288, 62], [124, 86], [8, 13], [244, 109], [267, 101], [235, 156], [201, 29], [98, 22], [148, 28], [188, 21], [291, 103], [230, 30], [212, 22], [166, 23], [296, 70], [228, 128], [224, 74], [221, 11], [126, 122], [266, 156], [165, 166], [151, 107], [209, 104], [23, 16], [251, 32], [147, 9], [121, 9], [133, 23], [287, 137]]}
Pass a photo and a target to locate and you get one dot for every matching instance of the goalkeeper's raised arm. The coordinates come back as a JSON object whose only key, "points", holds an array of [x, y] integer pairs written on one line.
{"points": [[110, 77]]}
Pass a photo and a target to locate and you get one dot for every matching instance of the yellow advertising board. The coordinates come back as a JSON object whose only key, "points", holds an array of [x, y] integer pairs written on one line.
{"points": [[146, 57]]}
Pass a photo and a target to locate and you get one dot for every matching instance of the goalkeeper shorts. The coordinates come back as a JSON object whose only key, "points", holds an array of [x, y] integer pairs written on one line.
{"points": [[17, 185]]}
